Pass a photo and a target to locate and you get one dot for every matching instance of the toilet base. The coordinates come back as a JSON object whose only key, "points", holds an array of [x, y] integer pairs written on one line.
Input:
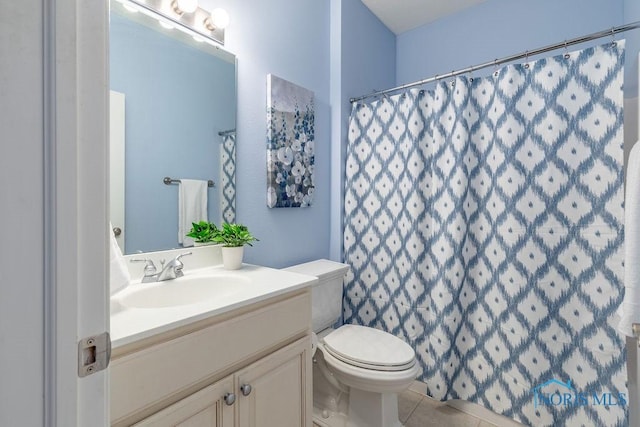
{"points": [[337, 405], [366, 409], [373, 409]]}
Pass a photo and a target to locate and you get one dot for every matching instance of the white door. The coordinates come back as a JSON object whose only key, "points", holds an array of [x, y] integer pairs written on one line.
{"points": [[53, 257], [21, 192], [116, 165]]}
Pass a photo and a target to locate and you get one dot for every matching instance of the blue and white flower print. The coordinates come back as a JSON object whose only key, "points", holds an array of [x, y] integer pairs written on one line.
{"points": [[290, 145]]}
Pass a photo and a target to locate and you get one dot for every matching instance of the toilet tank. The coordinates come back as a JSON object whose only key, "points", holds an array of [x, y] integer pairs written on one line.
{"points": [[326, 295]]}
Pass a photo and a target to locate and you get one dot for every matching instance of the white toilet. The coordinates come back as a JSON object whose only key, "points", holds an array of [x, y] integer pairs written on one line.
{"points": [[358, 371]]}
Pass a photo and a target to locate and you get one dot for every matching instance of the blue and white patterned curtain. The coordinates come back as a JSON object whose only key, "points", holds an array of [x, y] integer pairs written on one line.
{"points": [[228, 177], [484, 225]]}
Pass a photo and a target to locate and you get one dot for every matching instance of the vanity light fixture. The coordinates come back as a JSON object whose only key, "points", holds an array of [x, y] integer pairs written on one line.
{"points": [[185, 15]]}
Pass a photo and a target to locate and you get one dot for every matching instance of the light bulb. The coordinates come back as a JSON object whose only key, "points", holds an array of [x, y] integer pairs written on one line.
{"points": [[187, 6], [219, 18]]}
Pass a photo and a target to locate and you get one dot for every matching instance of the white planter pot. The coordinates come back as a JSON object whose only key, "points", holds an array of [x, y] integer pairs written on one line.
{"points": [[232, 257]]}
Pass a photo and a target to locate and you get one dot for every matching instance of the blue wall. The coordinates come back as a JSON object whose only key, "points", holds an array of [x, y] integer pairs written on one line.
{"points": [[176, 138], [288, 38], [498, 28], [295, 40], [632, 14]]}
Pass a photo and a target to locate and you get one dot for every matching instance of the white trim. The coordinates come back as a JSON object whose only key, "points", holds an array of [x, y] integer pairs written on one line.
{"points": [[75, 163], [49, 238], [92, 150], [64, 212]]}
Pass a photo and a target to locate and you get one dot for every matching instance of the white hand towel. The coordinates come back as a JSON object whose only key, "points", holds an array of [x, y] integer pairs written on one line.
{"points": [[629, 311], [119, 277], [192, 207]]}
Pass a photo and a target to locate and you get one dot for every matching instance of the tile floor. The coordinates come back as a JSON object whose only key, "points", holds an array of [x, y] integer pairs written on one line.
{"points": [[418, 410]]}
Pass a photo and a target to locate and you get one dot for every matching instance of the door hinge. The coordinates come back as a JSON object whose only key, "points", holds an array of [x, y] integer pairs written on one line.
{"points": [[94, 354]]}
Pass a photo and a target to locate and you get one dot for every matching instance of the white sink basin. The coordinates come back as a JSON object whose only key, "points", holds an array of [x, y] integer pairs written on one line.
{"points": [[183, 291]]}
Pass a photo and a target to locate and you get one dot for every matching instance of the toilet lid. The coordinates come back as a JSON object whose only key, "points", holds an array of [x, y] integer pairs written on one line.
{"points": [[369, 348]]}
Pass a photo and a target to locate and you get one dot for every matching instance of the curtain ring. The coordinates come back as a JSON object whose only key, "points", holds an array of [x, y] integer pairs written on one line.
{"points": [[613, 36], [566, 51], [526, 59], [495, 67], [471, 73], [421, 86]]}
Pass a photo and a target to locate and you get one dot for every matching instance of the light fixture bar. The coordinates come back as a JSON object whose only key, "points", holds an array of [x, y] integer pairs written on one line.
{"points": [[192, 23]]}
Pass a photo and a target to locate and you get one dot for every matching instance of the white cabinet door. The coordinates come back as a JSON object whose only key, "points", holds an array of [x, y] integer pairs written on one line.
{"points": [[280, 389], [205, 408]]}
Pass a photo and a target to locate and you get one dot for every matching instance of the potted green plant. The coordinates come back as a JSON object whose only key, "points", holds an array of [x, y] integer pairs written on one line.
{"points": [[203, 233], [233, 237]]}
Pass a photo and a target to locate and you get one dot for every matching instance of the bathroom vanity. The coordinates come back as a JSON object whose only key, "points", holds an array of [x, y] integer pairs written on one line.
{"points": [[233, 357]]}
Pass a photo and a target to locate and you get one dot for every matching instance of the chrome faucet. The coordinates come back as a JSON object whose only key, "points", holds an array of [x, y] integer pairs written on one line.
{"points": [[150, 274], [172, 270]]}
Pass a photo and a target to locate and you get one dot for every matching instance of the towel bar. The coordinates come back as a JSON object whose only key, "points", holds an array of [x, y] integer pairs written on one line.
{"points": [[170, 181]]}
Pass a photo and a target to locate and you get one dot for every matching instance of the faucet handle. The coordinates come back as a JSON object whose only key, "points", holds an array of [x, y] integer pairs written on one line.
{"points": [[183, 254], [149, 268], [178, 265]]}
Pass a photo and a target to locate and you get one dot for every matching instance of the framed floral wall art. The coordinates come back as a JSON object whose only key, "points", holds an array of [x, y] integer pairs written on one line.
{"points": [[290, 144]]}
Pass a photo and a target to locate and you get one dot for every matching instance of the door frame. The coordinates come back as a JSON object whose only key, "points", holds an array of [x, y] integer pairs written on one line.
{"points": [[75, 206]]}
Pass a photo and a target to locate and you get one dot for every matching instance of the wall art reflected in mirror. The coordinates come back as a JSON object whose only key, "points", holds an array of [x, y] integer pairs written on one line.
{"points": [[173, 114]]}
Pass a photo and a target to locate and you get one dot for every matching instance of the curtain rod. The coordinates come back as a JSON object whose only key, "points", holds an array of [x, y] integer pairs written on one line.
{"points": [[611, 32], [227, 132]]}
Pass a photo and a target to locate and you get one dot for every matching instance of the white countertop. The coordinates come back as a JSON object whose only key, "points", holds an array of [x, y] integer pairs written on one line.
{"points": [[129, 324]]}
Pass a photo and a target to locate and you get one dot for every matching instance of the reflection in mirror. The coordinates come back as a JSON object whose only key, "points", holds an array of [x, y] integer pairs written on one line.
{"points": [[173, 115]]}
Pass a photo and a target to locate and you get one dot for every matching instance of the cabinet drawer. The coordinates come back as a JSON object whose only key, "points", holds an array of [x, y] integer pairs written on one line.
{"points": [[161, 374]]}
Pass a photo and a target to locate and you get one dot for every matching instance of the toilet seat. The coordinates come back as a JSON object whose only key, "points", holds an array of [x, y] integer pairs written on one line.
{"points": [[369, 348], [371, 380]]}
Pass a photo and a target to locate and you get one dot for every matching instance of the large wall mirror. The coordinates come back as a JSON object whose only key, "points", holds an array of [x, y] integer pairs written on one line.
{"points": [[173, 114]]}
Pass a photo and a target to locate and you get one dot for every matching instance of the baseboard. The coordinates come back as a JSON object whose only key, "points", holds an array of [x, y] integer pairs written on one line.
{"points": [[470, 408]]}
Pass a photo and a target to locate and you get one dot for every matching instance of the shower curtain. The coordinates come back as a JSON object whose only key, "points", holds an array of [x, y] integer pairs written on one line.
{"points": [[228, 177], [484, 226]]}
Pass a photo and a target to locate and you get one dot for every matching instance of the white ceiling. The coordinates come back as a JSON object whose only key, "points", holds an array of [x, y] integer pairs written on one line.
{"points": [[403, 15]]}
